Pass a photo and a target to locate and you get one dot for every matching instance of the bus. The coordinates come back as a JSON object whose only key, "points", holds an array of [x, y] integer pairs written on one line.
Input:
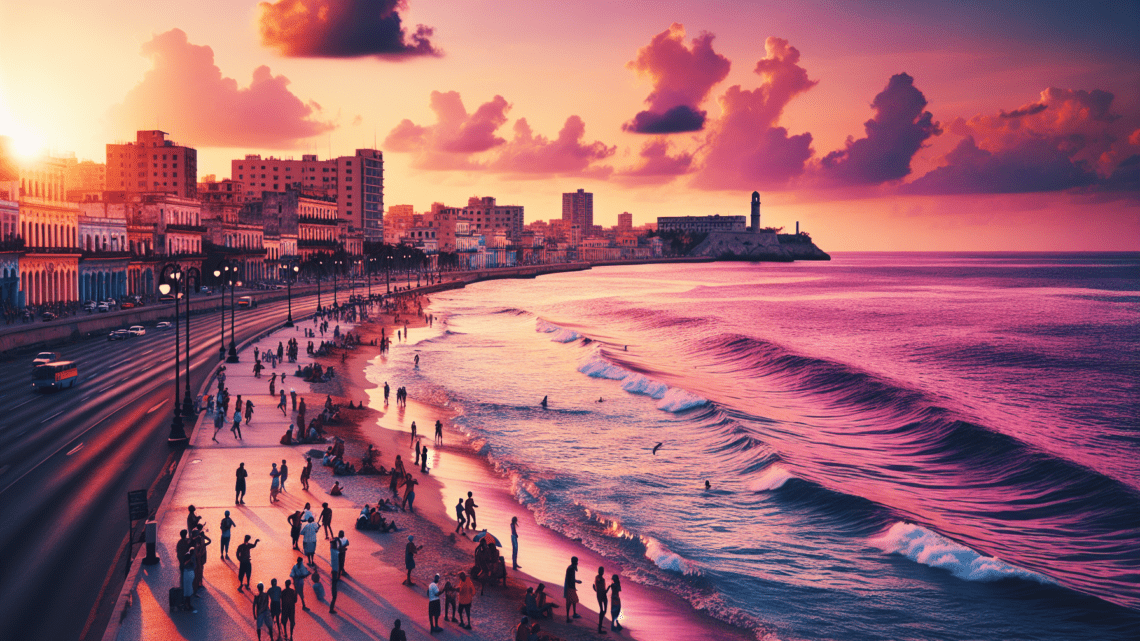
{"points": [[56, 375], [246, 302]]}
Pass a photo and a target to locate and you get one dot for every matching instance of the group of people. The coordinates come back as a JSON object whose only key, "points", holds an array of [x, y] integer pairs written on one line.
{"points": [[219, 405], [609, 597]]}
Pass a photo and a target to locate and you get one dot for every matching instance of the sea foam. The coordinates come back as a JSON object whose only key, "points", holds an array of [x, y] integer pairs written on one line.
{"points": [[932, 549], [667, 559], [597, 367], [678, 400], [638, 384], [773, 478], [560, 334]]}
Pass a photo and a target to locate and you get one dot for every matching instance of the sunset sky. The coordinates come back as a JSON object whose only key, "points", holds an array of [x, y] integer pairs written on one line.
{"points": [[964, 125]]}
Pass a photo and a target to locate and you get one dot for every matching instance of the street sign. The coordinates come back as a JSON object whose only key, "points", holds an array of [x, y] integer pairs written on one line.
{"points": [[137, 506]]}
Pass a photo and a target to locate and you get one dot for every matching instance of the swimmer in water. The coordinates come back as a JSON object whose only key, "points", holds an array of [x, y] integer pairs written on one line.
{"points": [[657, 447], [601, 400], [544, 402], [708, 486]]}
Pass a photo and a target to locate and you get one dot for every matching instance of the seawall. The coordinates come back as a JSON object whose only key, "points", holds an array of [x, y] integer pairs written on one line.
{"points": [[762, 247]]}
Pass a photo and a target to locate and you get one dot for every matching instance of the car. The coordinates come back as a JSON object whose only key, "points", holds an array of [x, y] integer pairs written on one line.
{"points": [[166, 298], [247, 301], [89, 306], [163, 325], [119, 335], [43, 358], [127, 305], [47, 316], [111, 302], [103, 308], [137, 330]]}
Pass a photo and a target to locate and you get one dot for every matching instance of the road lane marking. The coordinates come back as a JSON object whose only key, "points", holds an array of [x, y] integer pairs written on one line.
{"points": [[53, 416], [75, 449], [151, 410]]}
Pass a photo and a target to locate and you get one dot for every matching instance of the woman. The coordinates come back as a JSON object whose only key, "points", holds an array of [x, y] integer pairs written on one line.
{"points": [[275, 483], [615, 603], [410, 557], [305, 472]]}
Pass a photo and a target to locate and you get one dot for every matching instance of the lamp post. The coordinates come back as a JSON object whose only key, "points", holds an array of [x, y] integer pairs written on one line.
{"points": [[233, 356], [388, 271], [177, 429], [371, 263], [222, 342], [336, 268], [290, 271], [408, 268], [320, 268], [192, 276]]}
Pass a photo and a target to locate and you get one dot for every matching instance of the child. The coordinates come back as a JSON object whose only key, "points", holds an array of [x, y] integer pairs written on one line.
{"points": [[318, 587]]}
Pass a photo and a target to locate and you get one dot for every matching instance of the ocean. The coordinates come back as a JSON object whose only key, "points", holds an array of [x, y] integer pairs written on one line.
{"points": [[897, 446]]}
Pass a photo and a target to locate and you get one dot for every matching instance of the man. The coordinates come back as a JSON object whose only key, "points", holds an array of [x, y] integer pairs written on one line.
{"points": [[192, 519], [386, 390], [343, 547], [469, 507], [294, 521], [288, 610], [261, 615], [522, 630], [460, 518], [239, 487], [515, 541], [299, 573], [397, 633], [433, 605], [334, 573], [326, 520], [309, 540], [245, 561], [307, 470], [293, 395], [603, 601], [284, 473], [274, 593], [182, 547], [227, 525], [438, 432], [466, 595], [570, 589], [410, 551]]}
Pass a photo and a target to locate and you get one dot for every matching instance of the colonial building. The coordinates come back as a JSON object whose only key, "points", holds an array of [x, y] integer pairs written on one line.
{"points": [[49, 266], [152, 164], [105, 257], [700, 224]]}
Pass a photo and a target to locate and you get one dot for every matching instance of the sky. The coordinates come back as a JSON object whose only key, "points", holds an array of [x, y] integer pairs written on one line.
{"points": [[878, 126]]}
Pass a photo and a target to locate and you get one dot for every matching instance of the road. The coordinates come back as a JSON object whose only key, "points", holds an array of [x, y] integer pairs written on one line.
{"points": [[68, 459]]}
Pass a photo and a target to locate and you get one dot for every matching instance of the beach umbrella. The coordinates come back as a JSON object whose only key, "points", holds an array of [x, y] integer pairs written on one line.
{"points": [[491, 538]]}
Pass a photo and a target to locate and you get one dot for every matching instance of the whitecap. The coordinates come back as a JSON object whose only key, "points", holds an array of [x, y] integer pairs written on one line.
{"points": [[678, 400], [638, 384], [667, 559], [773, 478], [929, 548]]}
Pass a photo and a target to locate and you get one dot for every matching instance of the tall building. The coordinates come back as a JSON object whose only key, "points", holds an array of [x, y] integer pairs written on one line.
{"points": [[625, 221], [360, 199], [578, 212], [152, 164]]}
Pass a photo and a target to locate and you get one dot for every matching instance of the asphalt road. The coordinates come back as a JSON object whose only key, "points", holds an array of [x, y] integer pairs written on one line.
{"points": [[68, 459]]}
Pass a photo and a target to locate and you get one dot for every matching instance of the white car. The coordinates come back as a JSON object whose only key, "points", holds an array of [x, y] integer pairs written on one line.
{"points": [[137, 330], [163, 325]]}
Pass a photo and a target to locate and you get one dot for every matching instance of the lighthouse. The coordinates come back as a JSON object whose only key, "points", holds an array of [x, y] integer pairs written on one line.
{"points": [[755, 212]]}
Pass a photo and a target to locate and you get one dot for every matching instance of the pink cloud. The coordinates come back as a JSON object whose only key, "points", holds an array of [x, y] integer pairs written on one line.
{"points": [[187, 92], [682, 77], [745, 149], [657, 165], [460, 140], [897, 131], [1066, 139], [342, 29]]}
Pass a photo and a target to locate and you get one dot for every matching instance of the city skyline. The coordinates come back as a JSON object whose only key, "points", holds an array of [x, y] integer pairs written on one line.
{"points": [[873, 130]]}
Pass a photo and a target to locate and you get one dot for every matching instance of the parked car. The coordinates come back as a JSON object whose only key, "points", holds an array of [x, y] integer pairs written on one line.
{"points": [[163, 325], [247, 301], [89, 306], [127, 305], [137, 330], [103, 308], [43, 358], [119, 335], [166, 298], [47, 316]]}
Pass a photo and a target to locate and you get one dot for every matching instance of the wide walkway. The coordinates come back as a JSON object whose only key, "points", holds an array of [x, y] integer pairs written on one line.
{"points": [[365, 607]]}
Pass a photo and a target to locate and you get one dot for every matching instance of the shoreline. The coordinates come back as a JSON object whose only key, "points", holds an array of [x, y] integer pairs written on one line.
{"points": [[648, 612]]}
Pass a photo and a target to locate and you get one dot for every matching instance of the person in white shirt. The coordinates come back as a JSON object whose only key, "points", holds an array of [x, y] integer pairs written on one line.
{"points": [[433, 605]]}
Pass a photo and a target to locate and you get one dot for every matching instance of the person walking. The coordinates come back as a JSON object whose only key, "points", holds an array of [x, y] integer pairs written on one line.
{"points": [[293, 395], [299, 573], [334, 572], [227, 526], [600, 590], [236, 427], [414, 440], [274, 593], [515, 542], [284, 473], [570, 589], [466, 596], [343, 546], [460, 518], [326, 520], [386, 391], [301, 416], [434, 605], [273, 385], [309, 540], [306, 472], [469, 507], [219, 422], [274, 483], [288, 611], [248, 411], [423, 461], [410, 551], [438, 432], [261, 615], [245, 561], [282, 404], [239, 487]]}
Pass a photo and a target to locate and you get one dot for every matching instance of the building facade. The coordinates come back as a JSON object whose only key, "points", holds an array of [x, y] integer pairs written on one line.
{"points": [[700, 224], [152, 164], [578, 213]]}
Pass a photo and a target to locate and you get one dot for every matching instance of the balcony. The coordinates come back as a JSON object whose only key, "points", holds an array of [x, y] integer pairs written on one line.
{"points": [[313, 220], [51, 250], [102, 255], [189, 229]]}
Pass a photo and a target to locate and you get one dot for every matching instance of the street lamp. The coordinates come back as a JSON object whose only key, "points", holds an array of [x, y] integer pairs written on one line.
{"points": [[336, 268], [222, 342], [289, 291], [388, 271], [177, 429], [192, 276]]}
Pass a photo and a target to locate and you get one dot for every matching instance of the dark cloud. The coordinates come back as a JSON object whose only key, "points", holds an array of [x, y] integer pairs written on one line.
{"points": [[678, 119], [894, 135], [744, 148], [342, 29], [460, 140], [1068, 139], [682, 77], [1027, 110], [657, 165], [191, 99]]}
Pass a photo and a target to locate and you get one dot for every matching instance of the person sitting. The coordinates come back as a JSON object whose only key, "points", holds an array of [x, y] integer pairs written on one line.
{"points": [[381, 524], [336, 489], [287, 438], [363, 521], [530, 604], [545, 607], [498, 570], [387, 506]]}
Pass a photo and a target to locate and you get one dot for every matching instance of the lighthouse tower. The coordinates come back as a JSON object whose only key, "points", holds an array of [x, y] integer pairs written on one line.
{"points": [[755, 212]]}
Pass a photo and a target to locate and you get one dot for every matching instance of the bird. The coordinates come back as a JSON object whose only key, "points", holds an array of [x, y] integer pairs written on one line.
{"points": [[656, 447]]}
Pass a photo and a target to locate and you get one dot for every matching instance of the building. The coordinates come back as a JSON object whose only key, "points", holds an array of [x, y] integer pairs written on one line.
{"points": [[578, 213], [485, 217], [152, 164], [625, 221], [360, 194], [103, 240], [85, 180], [399, 219], [700, 224], [48, 224], [211, 190]]}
